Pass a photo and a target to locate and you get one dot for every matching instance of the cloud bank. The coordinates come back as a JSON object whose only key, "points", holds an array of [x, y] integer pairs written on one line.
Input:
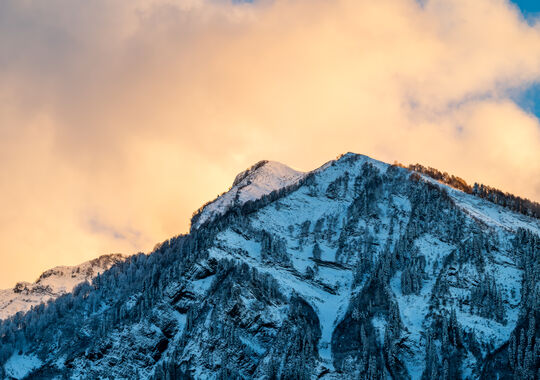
{"points": [[119, 118]]}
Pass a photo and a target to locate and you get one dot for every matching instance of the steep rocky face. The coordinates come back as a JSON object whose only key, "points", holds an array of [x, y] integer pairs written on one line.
{"points": [[358, 269], [52, 283]]}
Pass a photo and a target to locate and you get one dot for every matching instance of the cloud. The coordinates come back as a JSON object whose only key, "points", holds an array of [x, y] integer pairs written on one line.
{"points": [[119, 119]]}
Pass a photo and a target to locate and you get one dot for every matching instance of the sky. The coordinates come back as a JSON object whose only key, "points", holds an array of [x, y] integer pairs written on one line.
{"points": [[529, 8], [118, 119], [528, 97]]}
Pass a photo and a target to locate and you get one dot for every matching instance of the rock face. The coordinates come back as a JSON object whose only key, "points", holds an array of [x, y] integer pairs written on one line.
{"points": [[52, 284], [358, 269]]}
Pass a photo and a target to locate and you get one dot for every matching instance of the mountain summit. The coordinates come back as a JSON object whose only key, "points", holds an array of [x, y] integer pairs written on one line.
{"points": [[252, 184], [356, 270]]}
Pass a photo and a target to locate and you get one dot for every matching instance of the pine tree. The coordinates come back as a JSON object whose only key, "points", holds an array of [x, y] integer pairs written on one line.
{"points": [[316, 251]]}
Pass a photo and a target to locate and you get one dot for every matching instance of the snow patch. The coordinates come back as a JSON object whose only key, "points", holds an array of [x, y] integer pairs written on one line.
{"points": [[20, 366], [380, 327]]}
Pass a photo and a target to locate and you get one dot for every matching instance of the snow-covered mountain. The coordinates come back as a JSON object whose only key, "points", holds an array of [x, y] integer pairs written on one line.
{"points": [[357, 270], [52, 283]]}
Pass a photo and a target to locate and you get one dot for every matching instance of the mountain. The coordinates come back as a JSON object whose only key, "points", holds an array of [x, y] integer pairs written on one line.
{"points": [[358, 269], [52, 284]]}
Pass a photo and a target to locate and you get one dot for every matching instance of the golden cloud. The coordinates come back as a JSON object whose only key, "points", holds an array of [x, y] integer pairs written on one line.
{"points": [[119, 119]]}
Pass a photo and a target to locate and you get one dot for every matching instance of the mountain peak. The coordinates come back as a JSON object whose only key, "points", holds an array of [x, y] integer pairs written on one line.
{"points": [[261, 179], [251, 184]]}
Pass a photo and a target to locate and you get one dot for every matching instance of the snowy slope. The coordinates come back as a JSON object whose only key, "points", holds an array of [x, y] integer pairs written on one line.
{"points": [[487, 212], [19, 366], [261, 179], [52, 284]]}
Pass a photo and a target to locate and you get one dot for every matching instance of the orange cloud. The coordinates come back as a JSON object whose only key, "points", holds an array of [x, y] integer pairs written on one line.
{"points": [[119, 119]]}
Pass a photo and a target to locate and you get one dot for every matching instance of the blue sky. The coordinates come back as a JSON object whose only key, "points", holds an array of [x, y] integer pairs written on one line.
{"points": [[529, 99], [528, 7]]}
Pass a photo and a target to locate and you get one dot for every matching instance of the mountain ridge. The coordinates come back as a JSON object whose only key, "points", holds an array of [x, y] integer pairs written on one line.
{"points": [[359, 269], [52, 283]]}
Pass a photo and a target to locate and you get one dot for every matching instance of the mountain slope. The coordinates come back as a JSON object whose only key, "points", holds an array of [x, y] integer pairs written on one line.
{"points": [[358, 269], [52, 283]]}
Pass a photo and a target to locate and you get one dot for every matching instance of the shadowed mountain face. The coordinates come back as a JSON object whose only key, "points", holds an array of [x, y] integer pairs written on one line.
{"points": [[358, 269]]}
